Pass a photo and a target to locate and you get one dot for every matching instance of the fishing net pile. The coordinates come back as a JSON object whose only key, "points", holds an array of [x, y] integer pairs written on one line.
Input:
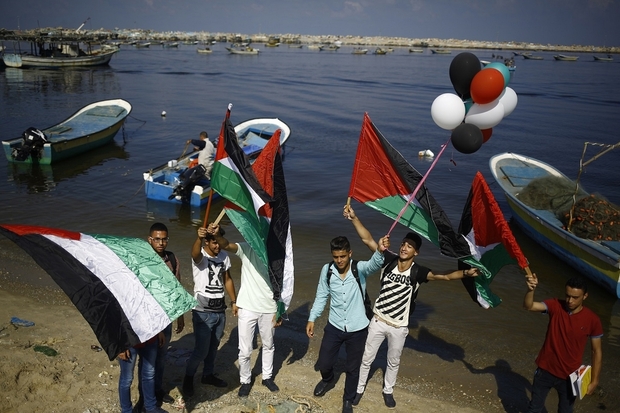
{"points": [[594, 217]]}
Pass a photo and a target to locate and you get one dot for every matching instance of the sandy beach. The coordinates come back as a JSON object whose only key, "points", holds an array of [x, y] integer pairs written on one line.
{"points": [[81, 379]]}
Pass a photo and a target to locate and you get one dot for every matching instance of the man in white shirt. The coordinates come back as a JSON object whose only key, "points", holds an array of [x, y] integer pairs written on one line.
{"points": [[207, 152]]}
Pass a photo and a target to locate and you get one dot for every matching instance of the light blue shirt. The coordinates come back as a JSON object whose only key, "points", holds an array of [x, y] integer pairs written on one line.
{"points": [[346, 307]]}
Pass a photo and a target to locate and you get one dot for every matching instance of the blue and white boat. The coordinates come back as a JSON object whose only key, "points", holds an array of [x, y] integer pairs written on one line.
{"points": [[598, 260], [169, 183]]}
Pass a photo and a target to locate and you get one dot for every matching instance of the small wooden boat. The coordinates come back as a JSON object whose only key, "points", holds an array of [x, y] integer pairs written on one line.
{"points": [[565, 58], [171, 45], [532, 57], [380, 51], [168, 183], [295, 46], [314, 47], [441, 51], [607, 58], [329, 48], [91, 127], [598, 260], [247, 50], [143, 45], [359, 50], [206, 50], [272, 44], [414, 50]]}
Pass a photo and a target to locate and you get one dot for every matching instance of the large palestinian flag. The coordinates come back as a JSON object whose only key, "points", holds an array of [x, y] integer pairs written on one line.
{"points": [[266, 227], [121, 286], [384, 180], [491, 242]]}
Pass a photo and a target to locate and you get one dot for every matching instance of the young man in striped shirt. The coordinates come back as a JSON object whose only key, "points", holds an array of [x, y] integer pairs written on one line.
{"points": [[400, 280]]}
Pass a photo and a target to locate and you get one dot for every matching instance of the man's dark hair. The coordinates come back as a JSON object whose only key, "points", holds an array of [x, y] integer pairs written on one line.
{"points": [[414, 239], [340, 244], [211, 237], [577, 282], [158, 226]]}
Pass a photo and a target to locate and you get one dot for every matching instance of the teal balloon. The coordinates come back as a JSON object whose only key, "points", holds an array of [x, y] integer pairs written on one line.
{"points": [[468, 104], [503, 69]]}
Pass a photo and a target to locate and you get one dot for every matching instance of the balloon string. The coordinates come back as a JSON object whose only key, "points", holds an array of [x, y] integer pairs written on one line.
{"points": [[415, 192]]}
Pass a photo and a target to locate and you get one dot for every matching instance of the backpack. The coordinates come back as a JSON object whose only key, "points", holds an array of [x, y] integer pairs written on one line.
{"points": [[367, 303], [173, 261]]}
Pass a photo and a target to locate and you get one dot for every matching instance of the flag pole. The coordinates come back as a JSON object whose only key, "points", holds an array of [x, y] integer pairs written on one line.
{"points": [[220, 216], [412, 197], [220, 141]]}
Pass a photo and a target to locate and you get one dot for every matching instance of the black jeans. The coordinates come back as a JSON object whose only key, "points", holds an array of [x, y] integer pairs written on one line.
{"points": [[333, 339], [543, 383]]}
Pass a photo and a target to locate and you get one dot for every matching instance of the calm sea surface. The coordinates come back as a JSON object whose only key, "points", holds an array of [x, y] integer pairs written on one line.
{"points": [[323, 96]]}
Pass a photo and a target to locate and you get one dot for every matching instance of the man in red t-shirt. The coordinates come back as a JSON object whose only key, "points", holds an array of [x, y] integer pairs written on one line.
{"points": [[570, 325]]}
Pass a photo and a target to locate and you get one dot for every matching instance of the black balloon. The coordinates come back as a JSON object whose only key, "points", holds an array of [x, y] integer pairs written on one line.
{"points": [[463, 68], [467, 138]]}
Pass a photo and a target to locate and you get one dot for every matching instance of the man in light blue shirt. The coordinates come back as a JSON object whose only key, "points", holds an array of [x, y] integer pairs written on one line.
{"points": [[348, 322]]}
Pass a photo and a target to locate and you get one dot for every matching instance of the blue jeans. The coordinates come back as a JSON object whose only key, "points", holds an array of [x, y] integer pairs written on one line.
{"points": [[208, 331], [162, 352], [146, 370], [543, 383]]}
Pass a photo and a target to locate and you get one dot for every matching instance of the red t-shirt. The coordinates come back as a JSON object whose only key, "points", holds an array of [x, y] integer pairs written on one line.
{"points": [[567, 335]]}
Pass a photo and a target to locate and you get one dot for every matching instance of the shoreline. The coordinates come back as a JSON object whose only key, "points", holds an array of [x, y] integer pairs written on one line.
{"points": [[80, 379], [104, 35]]}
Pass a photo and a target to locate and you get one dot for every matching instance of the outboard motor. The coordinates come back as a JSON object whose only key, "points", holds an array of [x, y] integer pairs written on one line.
{"points": [[33, 141], [189, 178]]}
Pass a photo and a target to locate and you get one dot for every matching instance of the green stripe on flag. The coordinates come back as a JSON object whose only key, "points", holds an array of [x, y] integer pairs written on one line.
{"points": [[152, 272], [229, 184], [254, 233]]}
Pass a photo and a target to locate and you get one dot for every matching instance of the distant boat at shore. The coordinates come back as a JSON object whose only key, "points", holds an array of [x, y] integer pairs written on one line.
{"points": [[565, 58], [608, 58], [532, 57], [441, 51]]}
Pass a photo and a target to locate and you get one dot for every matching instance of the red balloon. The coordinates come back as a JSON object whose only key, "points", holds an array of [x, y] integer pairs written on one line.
{"points": [[486, 86], [486, 134]]}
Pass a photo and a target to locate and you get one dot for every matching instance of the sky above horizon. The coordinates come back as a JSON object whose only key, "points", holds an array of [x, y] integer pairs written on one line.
{"points": [[557, 22]]}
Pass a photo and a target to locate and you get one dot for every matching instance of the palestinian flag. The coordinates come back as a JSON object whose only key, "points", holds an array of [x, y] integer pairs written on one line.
{"points": [[121, 286], [270, 234], [383, 180], [232, 176], [491, 242]]}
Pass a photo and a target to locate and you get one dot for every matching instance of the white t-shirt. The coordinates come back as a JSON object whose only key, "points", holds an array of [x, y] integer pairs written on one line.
{"points": [[209, 281], [205, 157], [255, 293]]}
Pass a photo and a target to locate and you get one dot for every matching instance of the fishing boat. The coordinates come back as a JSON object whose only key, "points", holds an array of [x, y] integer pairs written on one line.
{"points": [[171, 45], [441, 51], [532, 57], [143, 45], [415, 50], [607, 58], [169, 183], [206, 50], [565, 58], [90, 127], [597, 259], [246, 50], [329, 48], [359, 50], [380, 51]]}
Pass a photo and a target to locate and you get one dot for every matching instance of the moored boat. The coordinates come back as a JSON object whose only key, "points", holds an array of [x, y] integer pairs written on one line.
{"points": [[607, 58], [415, 50], [169, 183], [441, 51], [565, 58], [329, 48], [532, 57], [359, 50], [380, 51], [92, 126], [247, 50], [598, 259], [206, 50]]}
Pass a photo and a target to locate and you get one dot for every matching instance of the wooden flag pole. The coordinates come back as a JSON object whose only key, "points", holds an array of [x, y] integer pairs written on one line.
{"points": [[220, 216], [204, 224]]}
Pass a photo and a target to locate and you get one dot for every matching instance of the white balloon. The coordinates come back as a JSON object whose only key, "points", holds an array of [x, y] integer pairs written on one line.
{"points": [[509, 99], [448, 111], [485, 116]]}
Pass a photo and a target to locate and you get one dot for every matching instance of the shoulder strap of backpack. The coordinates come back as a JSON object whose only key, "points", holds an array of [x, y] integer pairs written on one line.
{"points": [[173, 261], [353, 271]]}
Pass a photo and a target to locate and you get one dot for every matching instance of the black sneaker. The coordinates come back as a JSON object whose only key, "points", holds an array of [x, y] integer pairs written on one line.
{"points": [[244, 390], [188, 386], [213, 381], [389, 401], [358, 397], [322, 387], [269, 383]]}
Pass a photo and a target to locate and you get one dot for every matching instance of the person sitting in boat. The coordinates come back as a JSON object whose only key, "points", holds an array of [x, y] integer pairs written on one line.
{"points": [[207, 152]]}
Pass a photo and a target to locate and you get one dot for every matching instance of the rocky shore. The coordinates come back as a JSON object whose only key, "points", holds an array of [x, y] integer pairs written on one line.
{"points": [[348, 40]]}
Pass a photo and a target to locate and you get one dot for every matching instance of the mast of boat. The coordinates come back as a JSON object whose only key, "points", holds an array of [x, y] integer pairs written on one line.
{"points": [[82, 25], [582, 164]]}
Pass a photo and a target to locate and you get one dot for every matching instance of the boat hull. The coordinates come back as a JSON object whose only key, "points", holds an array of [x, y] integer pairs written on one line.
{"points": [[599, 261], [253, 134], [29, 61], [91, 127]]}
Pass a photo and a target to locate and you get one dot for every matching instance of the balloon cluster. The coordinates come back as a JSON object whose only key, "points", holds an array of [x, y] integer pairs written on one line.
{"points": [[482, 100]]}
